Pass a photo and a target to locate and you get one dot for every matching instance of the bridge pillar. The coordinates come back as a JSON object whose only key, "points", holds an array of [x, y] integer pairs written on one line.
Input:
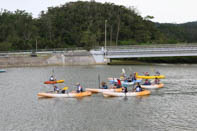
{"points": [[107, 60], [99, 56]]}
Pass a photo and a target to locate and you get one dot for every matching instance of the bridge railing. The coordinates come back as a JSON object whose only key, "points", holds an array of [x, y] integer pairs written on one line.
{"points": [[153, 46], [40, 51]]}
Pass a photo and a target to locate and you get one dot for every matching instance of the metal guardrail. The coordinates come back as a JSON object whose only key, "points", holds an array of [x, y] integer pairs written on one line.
{"points": [[152, 50], [39, 51], [181, 45], [110, 49]]}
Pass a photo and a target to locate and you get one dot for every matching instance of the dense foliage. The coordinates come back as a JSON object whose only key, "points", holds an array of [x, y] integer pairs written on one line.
{"points": [[82, 24], [186, 32]]}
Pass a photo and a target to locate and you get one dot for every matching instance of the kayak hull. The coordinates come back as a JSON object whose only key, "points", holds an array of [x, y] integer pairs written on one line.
{"points": [[68, 95], [1, 71], [53, 82], [151, 77], [103, 90], [155, 86], [121, 94]]}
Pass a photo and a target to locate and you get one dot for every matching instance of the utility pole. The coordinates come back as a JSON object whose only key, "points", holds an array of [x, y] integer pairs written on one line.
{"points": [[111, 36], [36, 45], [105, 36], [117, 35]]}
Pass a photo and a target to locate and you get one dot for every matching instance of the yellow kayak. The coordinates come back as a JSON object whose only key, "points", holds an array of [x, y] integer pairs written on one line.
{"points": [[72, 94], [150, 77]]}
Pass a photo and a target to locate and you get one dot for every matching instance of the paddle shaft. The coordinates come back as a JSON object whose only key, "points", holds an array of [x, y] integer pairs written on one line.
{"points": [[99, 80]]}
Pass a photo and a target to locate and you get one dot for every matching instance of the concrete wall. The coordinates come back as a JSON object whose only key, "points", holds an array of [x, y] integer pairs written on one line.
{"points": [[80, 57]]}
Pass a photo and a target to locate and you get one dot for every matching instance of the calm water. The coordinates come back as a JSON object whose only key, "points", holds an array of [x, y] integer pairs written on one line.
{"points": [[170, 108]]}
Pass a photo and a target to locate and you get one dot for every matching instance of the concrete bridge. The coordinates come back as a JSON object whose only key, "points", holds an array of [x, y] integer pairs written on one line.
{"points": [[151, 51], [137, 51], [99, 55]]}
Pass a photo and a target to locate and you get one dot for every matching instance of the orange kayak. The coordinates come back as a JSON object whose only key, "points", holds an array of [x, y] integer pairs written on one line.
{"points": [[154, 86], [71, 94]]}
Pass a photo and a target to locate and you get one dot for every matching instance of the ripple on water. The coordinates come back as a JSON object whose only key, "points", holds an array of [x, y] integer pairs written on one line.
{"points": [[170, 108]]}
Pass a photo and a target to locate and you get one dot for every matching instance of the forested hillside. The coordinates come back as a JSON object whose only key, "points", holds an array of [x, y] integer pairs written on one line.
{"points": [[82, 24], [186, 32]]}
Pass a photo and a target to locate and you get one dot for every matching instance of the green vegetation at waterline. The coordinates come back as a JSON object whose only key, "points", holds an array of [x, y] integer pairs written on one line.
{"points": [[172, 60], [82, 24]]}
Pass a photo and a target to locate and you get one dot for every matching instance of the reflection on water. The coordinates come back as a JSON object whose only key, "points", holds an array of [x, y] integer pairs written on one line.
{"points": [[170, 108]]}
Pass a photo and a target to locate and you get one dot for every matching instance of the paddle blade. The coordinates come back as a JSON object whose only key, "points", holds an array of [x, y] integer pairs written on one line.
{"points": [[65, 88], [123, 70]]}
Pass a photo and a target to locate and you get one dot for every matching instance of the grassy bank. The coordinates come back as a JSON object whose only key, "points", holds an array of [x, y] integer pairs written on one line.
{"points": [[170, 60]]}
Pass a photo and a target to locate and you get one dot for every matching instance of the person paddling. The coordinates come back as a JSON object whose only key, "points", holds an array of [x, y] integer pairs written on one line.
{"points": [[79, 88], [138, 88], [146, 74], [157, 80], [52, 78], [118, 83], [134, 78], [104, 85], [56, 89], [124, 89], [147, 82]]}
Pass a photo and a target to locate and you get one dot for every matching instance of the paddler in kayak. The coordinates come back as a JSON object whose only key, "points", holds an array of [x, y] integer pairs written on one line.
{"points": [[134, 77], [147, 82], [146, 74], [124, 89], [118, 83], [79, 88], [157, 81], [56, 89], [129, 79], [138, 88], [52, 78], [104, 85]]}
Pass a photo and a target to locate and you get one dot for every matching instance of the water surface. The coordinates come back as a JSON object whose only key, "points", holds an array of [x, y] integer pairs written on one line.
{"points": [[170, 108]]}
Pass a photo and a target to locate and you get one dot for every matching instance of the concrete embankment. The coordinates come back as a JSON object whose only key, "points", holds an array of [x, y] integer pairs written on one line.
{"points": [[80, 57]]}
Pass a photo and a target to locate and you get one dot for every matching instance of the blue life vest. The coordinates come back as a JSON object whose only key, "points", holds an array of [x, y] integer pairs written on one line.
{"points": [[105, 87], [138, 89]]}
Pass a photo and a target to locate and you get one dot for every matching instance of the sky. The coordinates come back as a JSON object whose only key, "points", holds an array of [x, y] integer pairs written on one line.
{"points": [[164, 11]]}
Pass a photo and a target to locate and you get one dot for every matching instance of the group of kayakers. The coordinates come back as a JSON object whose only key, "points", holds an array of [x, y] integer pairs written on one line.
{"points": [[147, 82], [124, 87], [118, 84], [131, 78]]}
